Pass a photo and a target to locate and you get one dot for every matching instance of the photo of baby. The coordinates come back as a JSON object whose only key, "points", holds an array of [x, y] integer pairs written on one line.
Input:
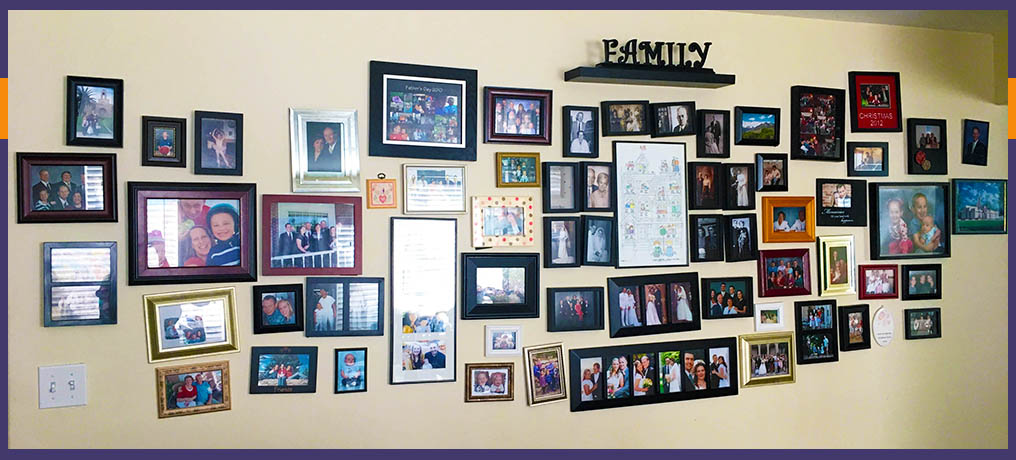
{"points": [[911, 221], [350, 370]]}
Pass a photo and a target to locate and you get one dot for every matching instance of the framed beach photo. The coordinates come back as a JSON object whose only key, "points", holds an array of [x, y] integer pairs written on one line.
{"points": [[771, 174], [855, 328], [921, 282], [739, 186], [836, 265], [79, 283], [713, 139], [766, 358], [975, 142], [582, 124], [382, 193], [706, 237], [909, 220], [870, 159], [817, 123], [278, 308], [878, 281], [311, 235], [502, 221], [562, 242], [815, 324], [191, 323], [875, 102], [517, 116], [347, 306], [561, 188], [518, 169], [164, 141], [672, 119], [497, 286], [789, 219], [283, 370], [218, 143], [598, 194], [94, 111], [728, 297], [66, 188], [757, 126], [784, 272], [419, 111], [841, 202], [769, 317], [653, 304], [741, 241], [705, 185], [490, 382], [574, 309], [922, 323], [502, 340], [545, 380], [625, 118], [193, 389], [979, 206], [927, 146], [434, 189], [598, 241], [350, 370], [324, 150]]}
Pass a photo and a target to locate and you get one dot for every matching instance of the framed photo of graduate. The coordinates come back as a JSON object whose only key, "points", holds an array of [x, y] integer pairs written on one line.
{"points": [[836, 265], [497, 286], [729, 297], [975, 142], [324, 150], [502, 221], [598, 195], [739, 186], [625, 118], [434, 189], [706, 237], [653, 304], [545, 380], [79, 283], [419, 111], [771, 172], [909, 220], [66, 188], [713, 139], [191, 232], [338, 307], [490, 382], [278, 308], [878, 281], [757, 126], [191, 324], [815, 324], [875, 102], [672, 119], [922, 323], [283, 370], [311, 235], [561, 188], [164, 141], [193, 389], [705, 184], [788, 219], [518, 169], [817, 122], [869, 159], [741, 241], [218, 143], [599, 243], [562, 242], [841, 202], [926, 146], [922, 282], [575, 309], [766, 358], [350, 370], [582, 125], [979, 206], [517, 116], [94, 111], [855, 328], [784, 272]]}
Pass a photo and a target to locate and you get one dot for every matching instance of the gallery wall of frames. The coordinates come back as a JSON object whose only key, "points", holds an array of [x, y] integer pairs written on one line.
{"points": [[309, 232]]}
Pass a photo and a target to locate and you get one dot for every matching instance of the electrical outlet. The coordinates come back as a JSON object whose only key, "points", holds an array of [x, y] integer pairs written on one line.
{"points": [[63, 386]]}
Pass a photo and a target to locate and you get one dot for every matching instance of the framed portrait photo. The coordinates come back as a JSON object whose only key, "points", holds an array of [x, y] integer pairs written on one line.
{"points": [[419, 111], [545, 369], [324, 150], [878, 281], [922, 323], [164, 142], [190, 324], [705, 185], [741, 241], [598, 240], [66, 188], [921, 282], [875, 102], [191, 232], [766, 358], [625, 118], [855, 328], [909, 220], [283, 370], [502, 221], [434, 189], [713, 138], [738, 186], [278, 308], [926, 146], [79, 283], [382, 193], [599, 193], [350, 370], [728, 297], [788, 219], [311, 235], [562, 242], [706, 237], [836, 265], [496, 286], [817, 123], [518, 169], [490, 382], [346, 306], [517, 116], [757, 126], [574, 309], [653, 304], [561, 188], [769, 317], [582, 124], [771, 173], [841, 202], [672, 119], [784, 272], [979, 206], [94, 111], [975, 142], [869, 159], [502, 340], [193, 389], [218, 143], [815, 324]]}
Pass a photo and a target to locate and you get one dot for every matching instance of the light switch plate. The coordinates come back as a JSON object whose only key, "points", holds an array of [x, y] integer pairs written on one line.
{"points": [[63, 386]]}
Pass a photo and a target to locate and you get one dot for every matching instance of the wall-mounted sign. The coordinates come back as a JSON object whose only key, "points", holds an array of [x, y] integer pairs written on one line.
{"points": [[661, 54]]}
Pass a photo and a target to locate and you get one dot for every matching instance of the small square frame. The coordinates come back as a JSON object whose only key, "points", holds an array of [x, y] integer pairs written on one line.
{"points": [[261, 290], [488, 333], [781, 317], [148, 125]]}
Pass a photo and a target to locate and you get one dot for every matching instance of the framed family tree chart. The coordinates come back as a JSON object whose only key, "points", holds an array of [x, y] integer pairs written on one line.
{"points": [[650, 194], [423, 252]]}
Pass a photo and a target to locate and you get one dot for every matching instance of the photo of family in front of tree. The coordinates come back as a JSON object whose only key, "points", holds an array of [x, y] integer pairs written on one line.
{"points": [[312, 235]]}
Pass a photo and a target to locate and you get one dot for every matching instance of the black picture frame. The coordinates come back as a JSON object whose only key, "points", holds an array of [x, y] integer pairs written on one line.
{"points": [[528, 308], [844, 313], [747, 291], [926, 160], [255, 358], [660, 126], [554, 324], [877, 120], [377, 147], [549, 239], [801, 140], [593, 125], [781, 184], [201, 142], [905, 274], [106, 292], [619, 325], [723, 146], [856, 215], [338, 366], [874, 219], [603, 354], [730, 197], [700, 254], [548, 181], [696, 199], [803, 333], [73, 96], [27, 190], [584, 177], [908, 330], [616, 129], [544, 125], [975, 153], [853, 165], [611, 243], [739, 133], [148, 141], [257, 301], [978, 211], [734, 251], [345, 281]]}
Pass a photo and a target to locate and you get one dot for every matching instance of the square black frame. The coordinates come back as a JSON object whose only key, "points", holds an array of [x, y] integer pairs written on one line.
{"points": [[105, 317], [613, 289], [594, 147], [954, 218], [968, 158], [854, 216], [852, 166], [26, 215], [719, 185], [261, 289], [700, 138], [528, 309], [378, 102], [546, 98], [759, 162], [935, 161], [345, 281], [855, 105], [749, 297], [596, 310], [605, 118], [829, 332], [844, 327], [795, 125], [71, 110], [905, 281], [729, 240], [548, 238], [612, 244], [148, 125], [874, 238], [739, 111], [255, 355], [338, 361], [576, 198], [613, 177], [693, 249], [938, 323], [727, 196], [654, 121], [199, 117]]}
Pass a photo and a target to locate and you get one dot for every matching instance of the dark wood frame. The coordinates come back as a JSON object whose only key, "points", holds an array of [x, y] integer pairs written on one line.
{"points": [[963, 144], [653, 125], [852, 172], [613, 179], [267, 201], [345, 281], [719, 184], [938, 323], [605, 118], [612, 243], [199, 116], [577, 199], [596, 308], [700, 136], [739, 111], [548, 238], [941, 154], [844, 327], [855, 216], [48, 284], [148, 125], [139, 272], [904, 287], [613, 309], [874, 213], [335, 386], [855, 104], [802, 346], [255, 355], [693, 248], [546, 98], [795, 121], [862, 281], [261, 289], [729, 237], [509, 382], [528, 309], [25, 161], [954, 221], [71, 110], [805, 256], [595, 146], [726, 186], [759, 157], [749, 297]]}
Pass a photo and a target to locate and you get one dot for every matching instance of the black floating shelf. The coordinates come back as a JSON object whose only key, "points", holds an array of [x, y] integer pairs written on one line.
{"points": [[653, 77]]}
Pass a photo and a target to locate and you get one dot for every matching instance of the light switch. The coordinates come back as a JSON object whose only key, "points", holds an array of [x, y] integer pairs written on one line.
{"points": [[63, 386]]}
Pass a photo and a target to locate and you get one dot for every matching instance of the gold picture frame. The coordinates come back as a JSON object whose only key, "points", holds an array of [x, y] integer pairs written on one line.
{"points": [[189, 336], [489, 392], [783, 358], [382, 193], [504, 177], [163, 376], [836, 277], [545, 354], [515, 214], [769, 215]]}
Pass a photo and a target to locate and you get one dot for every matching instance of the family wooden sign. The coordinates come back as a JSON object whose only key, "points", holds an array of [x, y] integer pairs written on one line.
{"points": [[659, 54]]}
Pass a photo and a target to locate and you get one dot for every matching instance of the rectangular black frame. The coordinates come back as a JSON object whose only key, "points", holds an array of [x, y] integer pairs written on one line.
{"points": [[759, 162], [528, 261], [874, 241], [261, 289], [830, 332], [854, 216], [905, 281], [739, 111], [548, 239], [577, 200], [844, 327], [971, 158], [110, 316], [938, 323], [954, 217], [851, 165], [719, 185], [654, 121], [26, 215], [576, 355], [345, 281], [605, 118], [237, 169], [546, 98], [693, 249], [582, 176], [727, 196], [71, 109], [925, 161], [596, 310], [612, 244], [729, 240], [748, 291], [700, 138], [335, 386], [594, 147], [795, 126], [255, 354], [148, 125], [854, 105], [613, 289]]}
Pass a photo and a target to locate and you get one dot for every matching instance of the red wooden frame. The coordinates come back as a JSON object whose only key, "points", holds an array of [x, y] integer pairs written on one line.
{"points": [[764, 291], [268, 201], [862, 284], [546, 98]]}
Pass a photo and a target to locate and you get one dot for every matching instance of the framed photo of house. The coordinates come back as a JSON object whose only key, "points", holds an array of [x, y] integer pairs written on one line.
{"points": [[490, 382], [980, 206], [921, 282], [324, 150], [66, 188]]}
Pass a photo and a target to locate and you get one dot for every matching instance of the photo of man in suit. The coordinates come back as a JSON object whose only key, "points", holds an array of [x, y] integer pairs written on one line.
{"points": [[687, 373], [975, 149], [43, 184], [63, 198], [581, 137], [287, 243], [65, 179]]}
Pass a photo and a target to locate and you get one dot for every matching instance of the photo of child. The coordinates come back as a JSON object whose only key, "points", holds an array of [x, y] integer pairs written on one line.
{"points": [[351, 367], [911, 220]]}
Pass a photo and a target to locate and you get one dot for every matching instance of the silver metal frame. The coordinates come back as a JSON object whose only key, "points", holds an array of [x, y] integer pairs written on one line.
{"points": [[305, 181]]}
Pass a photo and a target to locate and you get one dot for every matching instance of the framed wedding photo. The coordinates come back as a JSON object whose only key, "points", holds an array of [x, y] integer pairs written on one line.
{"points": [[815, 324], [193, 389], [927, 146], [909, 220], [419, 111], [757, 126], [191, 232], [836, 265], [706, 237], [324, 150], [94, 111], [878, 281], [728, 297], [545, 381], [561, 188], [922, 323], [434, 189], [975, 142], [164, 142], [875, 102], [498, 286], [582, 124], [283, 370], [562, 242], [191, 324], [382, 193], [625, 118], [672, 119], [502, 340], [79, 283], [502, 221], [766, 358], [490, 382], [868, 159], [741, 241], [706, 185], [311, 235], [739, 186], [979, 206], [784, 272], [518, 169], [713, 139], [599, 243], [771, 172], [346, 306], [278, 308], [218, 143], [841, 202], [921, 282], [599, 191], [816, 123], [517, 116], [788, 219], [855, 328], [653, 304], [574, 309], [350, 370], [66, 188]]}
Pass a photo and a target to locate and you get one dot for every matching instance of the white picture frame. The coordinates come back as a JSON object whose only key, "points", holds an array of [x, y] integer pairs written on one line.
{"points": [[420, 196], [491, 334], [317, 173], [765, 325]]}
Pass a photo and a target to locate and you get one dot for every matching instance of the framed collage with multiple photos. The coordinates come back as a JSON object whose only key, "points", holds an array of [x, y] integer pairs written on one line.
{"points": [[344, 306], [66, 187], [191, 323], [193, 389], [79, 283], [815, 324], [817, 123], [500, 285], [653, 304], [311, 235]]}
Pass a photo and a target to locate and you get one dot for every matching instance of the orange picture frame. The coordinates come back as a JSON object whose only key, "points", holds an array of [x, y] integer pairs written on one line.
{"points": [[789, 229], [382, 194]]}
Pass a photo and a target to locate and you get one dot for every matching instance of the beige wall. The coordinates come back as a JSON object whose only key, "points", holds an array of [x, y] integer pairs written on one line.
{"points": [[933, 393]]}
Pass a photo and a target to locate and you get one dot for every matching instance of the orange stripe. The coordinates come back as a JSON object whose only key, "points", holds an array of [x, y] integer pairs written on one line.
{"points": [[1012, 121], [3, 98]]}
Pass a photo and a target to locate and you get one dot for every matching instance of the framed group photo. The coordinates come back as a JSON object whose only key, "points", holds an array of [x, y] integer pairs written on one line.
{"points": [[574, 309], [311, 235], [583, 127], [766, 358], [922, 323], [908, 220], [625, 118], [94, 111], [193, 389], [817, 122], [653, 304], [784, 272], [517, 116], [346, 306], [545, 370], [324, 150], [727, 297], [496, 286], [66, 188], [190, 324], [79, 281], [283, 370], [878, 281], [518, 169], [921, 282]]}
